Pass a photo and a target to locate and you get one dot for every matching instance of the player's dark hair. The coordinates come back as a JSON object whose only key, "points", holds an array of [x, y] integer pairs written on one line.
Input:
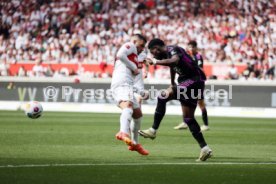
{"points": [[141, 37], [154, 42], [192, 43]]}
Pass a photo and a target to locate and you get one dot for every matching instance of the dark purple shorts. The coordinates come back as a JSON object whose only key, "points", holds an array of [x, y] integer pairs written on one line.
{"points": [[189, 92]]}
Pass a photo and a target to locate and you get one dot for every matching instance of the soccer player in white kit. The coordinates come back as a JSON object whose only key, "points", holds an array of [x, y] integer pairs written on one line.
{"points": [[140, 94], [125, 70], [139, 91]]}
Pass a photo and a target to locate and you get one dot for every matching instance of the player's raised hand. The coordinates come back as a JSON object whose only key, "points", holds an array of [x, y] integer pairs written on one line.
{"points": [[151, 61], [135, 72]]}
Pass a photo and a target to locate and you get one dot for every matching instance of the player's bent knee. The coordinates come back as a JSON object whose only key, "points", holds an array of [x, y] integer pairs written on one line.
{"points": [[162, 99], [165, 96]]}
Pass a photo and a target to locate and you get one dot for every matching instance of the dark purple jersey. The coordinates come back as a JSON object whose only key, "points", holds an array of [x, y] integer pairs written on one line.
{"points": [[186, 68], [198, 59]]}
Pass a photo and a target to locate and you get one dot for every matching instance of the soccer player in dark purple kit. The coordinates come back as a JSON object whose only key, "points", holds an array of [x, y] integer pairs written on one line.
{"points": [[198, 59], [191, 82]]}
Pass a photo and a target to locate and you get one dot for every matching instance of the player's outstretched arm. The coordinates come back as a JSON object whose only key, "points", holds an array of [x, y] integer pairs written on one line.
{"points": [[166, 62]]}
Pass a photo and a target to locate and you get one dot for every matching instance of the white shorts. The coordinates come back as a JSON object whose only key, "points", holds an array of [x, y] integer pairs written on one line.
{"points": [[124, 93], [139, 83], [138, 88]]}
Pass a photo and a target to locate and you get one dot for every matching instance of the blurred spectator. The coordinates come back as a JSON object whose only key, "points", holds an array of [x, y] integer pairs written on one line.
{"points": [[49, 71], [64, 72], [252, 76], [271, 73], [247, 71], [4, 67], [21, 72], [233, 72], [38, 70]]}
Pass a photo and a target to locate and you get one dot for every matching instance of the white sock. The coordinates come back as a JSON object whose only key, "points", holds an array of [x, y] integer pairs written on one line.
{"points": [[205, 147], [125, 120], [152, 130], [134, 127]]}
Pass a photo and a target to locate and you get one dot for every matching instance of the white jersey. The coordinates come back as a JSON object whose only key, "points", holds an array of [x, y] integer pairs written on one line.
{"points": [[139, 79], [126, 62]]}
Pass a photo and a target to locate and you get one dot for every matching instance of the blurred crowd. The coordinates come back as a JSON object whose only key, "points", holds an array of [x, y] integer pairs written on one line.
{"points": [[91, 31]]}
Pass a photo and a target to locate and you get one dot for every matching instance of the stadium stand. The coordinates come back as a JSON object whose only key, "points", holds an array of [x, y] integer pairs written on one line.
{"points": [[62, 38]]}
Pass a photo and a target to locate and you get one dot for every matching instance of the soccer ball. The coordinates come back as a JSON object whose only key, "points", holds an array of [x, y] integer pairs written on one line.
{"points": [[33, 109]]}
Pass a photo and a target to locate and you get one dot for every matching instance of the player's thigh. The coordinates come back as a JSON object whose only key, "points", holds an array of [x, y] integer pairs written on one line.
{"points": [[132, 103], [124, 97], [138, 98]]}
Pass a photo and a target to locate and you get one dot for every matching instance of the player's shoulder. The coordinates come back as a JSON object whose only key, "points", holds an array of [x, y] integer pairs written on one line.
{"points": [[171, 47], [129, 46], [174, 49]]}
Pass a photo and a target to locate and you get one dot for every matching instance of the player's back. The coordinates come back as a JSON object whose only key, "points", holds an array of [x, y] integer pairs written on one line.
{"points": [[186, 68], [122, 75]]}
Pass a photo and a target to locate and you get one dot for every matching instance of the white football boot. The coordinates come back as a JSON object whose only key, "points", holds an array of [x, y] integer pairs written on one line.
{"points": [[205, 153], [204, 128], [149, 133], [181, 126]]}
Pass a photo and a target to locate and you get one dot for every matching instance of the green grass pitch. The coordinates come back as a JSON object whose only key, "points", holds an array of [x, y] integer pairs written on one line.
{"points": [[81, 148]]}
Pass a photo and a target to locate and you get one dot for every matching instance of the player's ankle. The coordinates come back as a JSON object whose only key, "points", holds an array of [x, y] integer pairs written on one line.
{"points": [[153, 130]]}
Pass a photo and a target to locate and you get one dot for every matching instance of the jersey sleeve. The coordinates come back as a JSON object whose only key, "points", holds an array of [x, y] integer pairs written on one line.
{"points": [[126, 50]]}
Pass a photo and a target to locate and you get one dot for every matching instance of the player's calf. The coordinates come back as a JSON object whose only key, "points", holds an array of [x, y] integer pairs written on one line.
{"points": [[195, 130]]}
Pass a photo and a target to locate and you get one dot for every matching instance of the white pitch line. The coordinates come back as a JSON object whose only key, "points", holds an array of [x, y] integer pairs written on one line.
{"points": [[136, 164]]}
